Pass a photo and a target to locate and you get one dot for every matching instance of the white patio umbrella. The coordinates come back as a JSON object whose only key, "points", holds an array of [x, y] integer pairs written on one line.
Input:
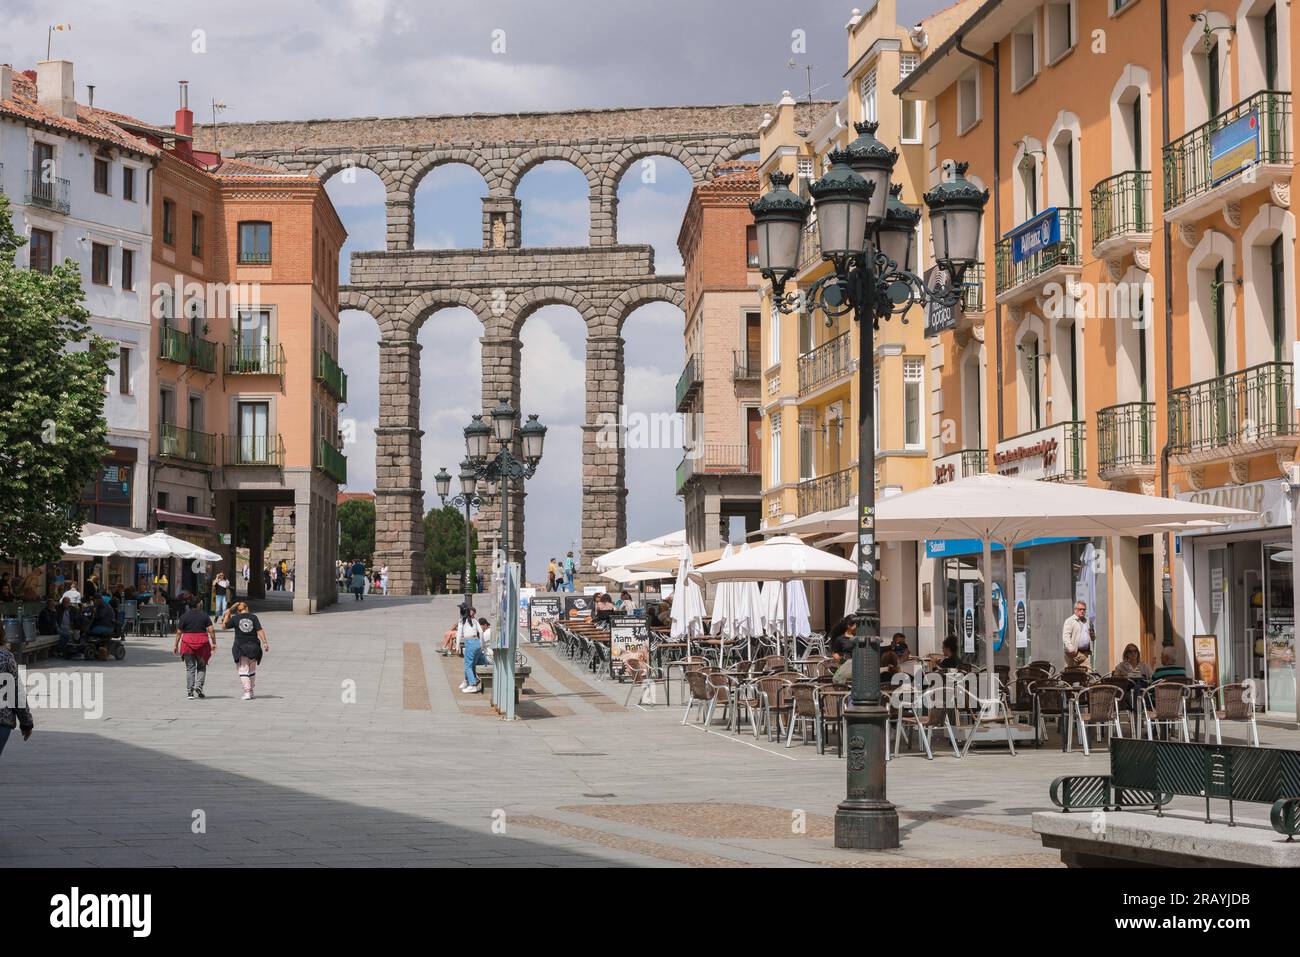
{"points": [[623, 574], [637, 553], [851, 589], [722, 623], [106, 543], [180, 548], [688, 603]]}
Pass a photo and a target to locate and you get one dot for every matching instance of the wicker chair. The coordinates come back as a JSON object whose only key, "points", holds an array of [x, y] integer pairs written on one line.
{"points": [[922, 713], [1097, 706], [1238, 705], [720, 693], [1051, 700], [642, 676], [1041, 665], [772, 663], [774, 702], [830, 709], [1169, 705], [1079, 677], [698, 693], [803, 695]]}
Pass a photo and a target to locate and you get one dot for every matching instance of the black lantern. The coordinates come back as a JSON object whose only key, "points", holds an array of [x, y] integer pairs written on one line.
{"points": [[842, 198], [468, 479], [503, 421], [534, 436], [478, 439], [956, 207], [874, 162], [442, 482], [896, 234], [779, 217]]}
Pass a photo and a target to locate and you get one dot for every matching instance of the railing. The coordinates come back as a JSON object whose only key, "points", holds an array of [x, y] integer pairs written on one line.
{"points": [[331, 375], [1188, 168], [828, 492], [1241, 408], [960, 465], [51, 193], [810, 247], [186, 445], [1126, 437], [830, 360], [720, 460], [746, 365], [249, 257], [332, 462], [690, 378], [972, 288], [253, 450], [186, 349], [254, 358], [1064, 253], [1120, 205]]}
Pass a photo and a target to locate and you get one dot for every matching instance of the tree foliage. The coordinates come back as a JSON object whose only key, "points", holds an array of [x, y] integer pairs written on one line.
{"points": [[444, 545], [357, 530], [52, 427]]}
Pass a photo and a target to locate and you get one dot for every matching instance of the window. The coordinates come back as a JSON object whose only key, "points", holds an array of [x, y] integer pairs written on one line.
{"points": [[751, 247], [101, 175], [191, 504], [807, 446], [43, 163], [1024, 54], [106, 498], [169, 222], [254, 242], [1220, 323], [128, 184], [1270, 48], [805, 332], [869, 97], [1029, 180], [968, 101], [195, 403], [128, 269], [1212, 81], [805, 167], [163, 499], [40, 251], [99, 264], [124, 370], [909, 126], [774, 347], [776, 449], [196, 235], [1060, 29], [1277, 273], [913, 401], [254, 431], [166, 407]]}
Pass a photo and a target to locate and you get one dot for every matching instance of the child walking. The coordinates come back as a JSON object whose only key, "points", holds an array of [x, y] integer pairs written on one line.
{"points": [[248, 645]]}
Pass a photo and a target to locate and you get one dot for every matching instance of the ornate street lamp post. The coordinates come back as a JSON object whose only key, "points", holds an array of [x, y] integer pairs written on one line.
{"points": [[497, 470], [469, 497], [868, 235]]}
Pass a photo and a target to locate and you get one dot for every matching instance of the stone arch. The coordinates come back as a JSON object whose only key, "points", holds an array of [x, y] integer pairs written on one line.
{"points": [[413, 174], [524, 305], [540, 154], [734, 150], [621, 163], [326, 169], [634, 298], [419, 310], [360, 301]]}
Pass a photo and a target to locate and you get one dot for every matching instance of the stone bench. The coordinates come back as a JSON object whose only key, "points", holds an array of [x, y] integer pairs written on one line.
{"points": [[484, 673], [35, 648], [1101, 838]]}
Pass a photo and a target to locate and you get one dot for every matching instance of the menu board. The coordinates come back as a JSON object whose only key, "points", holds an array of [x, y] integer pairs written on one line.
{"points": [[578, 607], [628, 637], [1205, 651], [525, 614]]}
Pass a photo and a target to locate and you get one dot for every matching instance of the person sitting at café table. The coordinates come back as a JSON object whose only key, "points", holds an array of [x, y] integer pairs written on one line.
{"points": [[624, 603], [843, 636], [604, 606], [1132, 666], [950, 659], [888, 666], [899, 646], [1169, 667], [665, 616]]}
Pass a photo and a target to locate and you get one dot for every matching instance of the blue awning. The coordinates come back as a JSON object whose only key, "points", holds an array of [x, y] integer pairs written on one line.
{"points": [[954, 547]]}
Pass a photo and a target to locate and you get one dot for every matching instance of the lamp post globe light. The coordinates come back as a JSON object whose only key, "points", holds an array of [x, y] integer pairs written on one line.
{"points": [[466, 499], [491, 474], [868, 235]]}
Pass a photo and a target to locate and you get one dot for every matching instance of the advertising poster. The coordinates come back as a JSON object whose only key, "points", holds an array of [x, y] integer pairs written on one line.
{"points": [[525, 614], [578, 607], [968, 617], [628, 637], [542, 611], [590, 590], [1021, 612], [1205, 649]]}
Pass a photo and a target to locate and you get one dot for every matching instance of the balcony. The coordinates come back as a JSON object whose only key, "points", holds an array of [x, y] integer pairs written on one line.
{"points": [[1055, 258], [959, 465], [252, 450], [1126, 441], [972, 290], [746, 365], [1207, 167], [331, 375], [186, 445], [1121, 213], [332, 462], [1240, 414], [830, 361], [186, 349], [1053, 453], [47, 193], [690, 382], [810, 248], [828, 492], [719, 460], [244, 357]]}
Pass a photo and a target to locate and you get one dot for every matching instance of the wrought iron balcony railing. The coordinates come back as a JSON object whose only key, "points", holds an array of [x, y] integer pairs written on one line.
{"points": [[331, 375], [1126, 438], [266, 450], [746, 365], [828, 492], [254, 357], [332, 462], [972, 289], [1247, 409], [1121, 206], [719, 460], [47, 192], [1189, 160], [186, 445], [689, 382], [829, 361], [960, 464], [1066, 252], [187, 349]]}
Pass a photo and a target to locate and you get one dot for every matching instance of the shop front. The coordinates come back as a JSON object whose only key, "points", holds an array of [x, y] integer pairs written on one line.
{"points": [[1237, 598]]}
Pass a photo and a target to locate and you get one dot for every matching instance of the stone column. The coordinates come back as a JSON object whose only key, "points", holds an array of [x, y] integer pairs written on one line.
{"points": [[400, 210], [604, 491], [306, 588], [500, 222], [501, 378], [604, 218], [256, 553], [399, 498]]}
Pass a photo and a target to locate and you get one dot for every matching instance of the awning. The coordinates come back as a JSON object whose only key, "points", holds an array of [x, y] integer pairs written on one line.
{"points": [[184, 518], [955, 547]]}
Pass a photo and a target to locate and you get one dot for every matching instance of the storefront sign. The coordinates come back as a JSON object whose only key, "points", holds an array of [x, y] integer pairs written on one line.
{"points": [[1205, 649], [1216, 591], [1267, 499], [1035, 235], [968, 617], [1234, 147], [999, 616], [939, 317], [1033, 456], [1022, 611]]}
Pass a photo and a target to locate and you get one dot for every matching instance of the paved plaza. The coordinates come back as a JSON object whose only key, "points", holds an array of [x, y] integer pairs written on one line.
{"points": [[360, 751]]}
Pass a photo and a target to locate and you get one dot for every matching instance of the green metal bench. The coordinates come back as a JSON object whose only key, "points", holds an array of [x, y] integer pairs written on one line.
{"points": [[1148, 774]]}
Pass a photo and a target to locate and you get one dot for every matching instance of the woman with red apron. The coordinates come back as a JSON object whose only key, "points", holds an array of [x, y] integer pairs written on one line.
{"points": [[196, 639]]}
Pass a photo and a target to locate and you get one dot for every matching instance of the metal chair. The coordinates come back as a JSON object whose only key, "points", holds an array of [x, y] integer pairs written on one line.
{"points": [[1169, 704], [1097, 707], [1051, 700], [803, 695], [1238, 705], [921, 713], [774, 704], [642, 675], [990, 711], [130, 616], [830, 709], [151, 619]]}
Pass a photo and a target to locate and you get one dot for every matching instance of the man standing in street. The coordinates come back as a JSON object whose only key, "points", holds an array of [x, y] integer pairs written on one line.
{"points": [[1076, 638], [569, 568]]}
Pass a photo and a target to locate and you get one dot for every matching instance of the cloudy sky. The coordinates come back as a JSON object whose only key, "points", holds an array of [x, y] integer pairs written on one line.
{"points": [[341, 58]]}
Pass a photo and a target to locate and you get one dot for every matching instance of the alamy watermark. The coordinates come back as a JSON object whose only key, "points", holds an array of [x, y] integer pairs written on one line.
{"points": [[64, 690]]}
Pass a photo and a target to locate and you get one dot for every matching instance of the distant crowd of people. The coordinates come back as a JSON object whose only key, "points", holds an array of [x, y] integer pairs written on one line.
{"points": [[357, 578]]}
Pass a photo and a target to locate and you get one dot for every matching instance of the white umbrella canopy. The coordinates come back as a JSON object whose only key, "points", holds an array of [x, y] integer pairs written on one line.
{"points": [[851, 589], [784, 558], [638, 553], [688, 603], [106, 543], [723, 622], [180, 548], [624, 575]]}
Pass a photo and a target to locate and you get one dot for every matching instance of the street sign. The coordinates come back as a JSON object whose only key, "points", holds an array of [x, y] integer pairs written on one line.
{"points": [[939, 318]]}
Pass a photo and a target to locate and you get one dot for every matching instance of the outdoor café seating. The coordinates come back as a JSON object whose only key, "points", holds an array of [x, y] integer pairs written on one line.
{"points": [[1097, 706], [1238, 705], [641, 675], [920, 714], [1166, 708], [803, 711]]}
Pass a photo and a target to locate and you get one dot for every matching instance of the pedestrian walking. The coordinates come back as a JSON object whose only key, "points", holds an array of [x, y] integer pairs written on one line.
{"points": [[383, 579], [221, 595], [247, 646], [358, 580], [14, 713], [196, 640], [570, 569], [552, 570]]}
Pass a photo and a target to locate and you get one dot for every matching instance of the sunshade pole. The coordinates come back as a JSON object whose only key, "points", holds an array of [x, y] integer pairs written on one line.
{"points": [[1009, 598], [987, 568]]}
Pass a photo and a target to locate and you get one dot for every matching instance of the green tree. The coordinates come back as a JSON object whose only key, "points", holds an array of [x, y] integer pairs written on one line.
{"points": [[52, 428], [444, 546], [357, 530]]}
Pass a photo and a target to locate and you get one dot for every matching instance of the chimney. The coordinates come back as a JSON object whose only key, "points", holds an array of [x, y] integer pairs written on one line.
{"points": [[6, 81], [54, 88], [184, 120]]}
